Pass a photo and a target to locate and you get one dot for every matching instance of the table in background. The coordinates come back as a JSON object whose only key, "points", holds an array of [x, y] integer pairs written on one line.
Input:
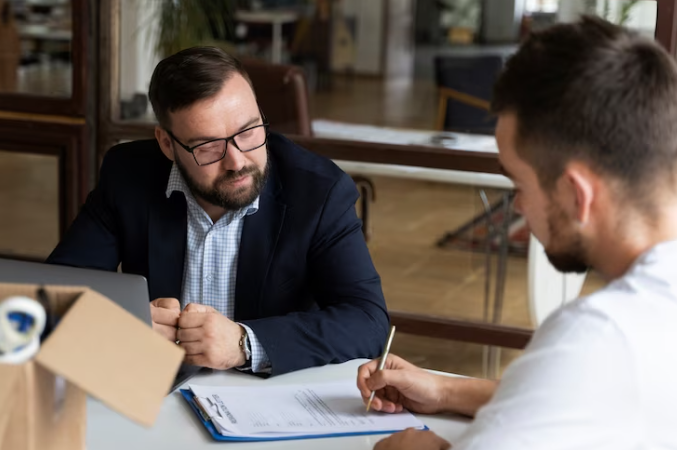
{"points": [[276, 19], [402, 136]]}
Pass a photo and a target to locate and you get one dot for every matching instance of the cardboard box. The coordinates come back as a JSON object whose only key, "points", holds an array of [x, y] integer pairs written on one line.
{"points": [[97, 348]]}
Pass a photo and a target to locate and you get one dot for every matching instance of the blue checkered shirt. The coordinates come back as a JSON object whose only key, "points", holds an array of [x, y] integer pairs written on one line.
{"points": [[210, 267]]}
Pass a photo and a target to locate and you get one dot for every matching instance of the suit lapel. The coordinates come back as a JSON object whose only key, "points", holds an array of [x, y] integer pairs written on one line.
{"points": [[260, 234], [167, 231]]}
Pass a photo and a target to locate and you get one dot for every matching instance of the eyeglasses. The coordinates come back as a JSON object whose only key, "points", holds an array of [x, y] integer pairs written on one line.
{"points": [[215, 150]]}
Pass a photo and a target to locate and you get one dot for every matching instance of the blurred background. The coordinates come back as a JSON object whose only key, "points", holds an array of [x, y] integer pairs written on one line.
{"points": [[395, 91]]}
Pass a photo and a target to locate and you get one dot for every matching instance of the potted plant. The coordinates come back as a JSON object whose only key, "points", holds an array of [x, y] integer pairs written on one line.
{"points": [[187, 23]]}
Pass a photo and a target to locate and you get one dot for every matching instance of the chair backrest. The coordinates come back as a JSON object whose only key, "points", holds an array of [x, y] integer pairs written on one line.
{"points": [[548, 289], [282, 93], [473, 75]]}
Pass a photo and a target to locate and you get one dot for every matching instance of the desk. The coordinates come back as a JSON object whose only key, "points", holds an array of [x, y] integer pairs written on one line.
{"points": [[178, 428], [276, 19], [457, 141]]}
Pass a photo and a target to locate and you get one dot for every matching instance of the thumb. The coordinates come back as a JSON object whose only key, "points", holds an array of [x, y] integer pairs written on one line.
{"points": [[167, 303], [197, 308]]}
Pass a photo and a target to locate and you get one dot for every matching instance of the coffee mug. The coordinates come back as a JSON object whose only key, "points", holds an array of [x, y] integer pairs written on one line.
{"points": [[22, 321]]}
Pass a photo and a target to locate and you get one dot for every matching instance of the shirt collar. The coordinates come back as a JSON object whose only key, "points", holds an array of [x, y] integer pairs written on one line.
{"points": [[177, 183]]}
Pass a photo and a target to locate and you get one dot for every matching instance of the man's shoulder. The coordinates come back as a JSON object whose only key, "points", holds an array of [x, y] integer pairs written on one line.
{"points": [[617, 310], [135, 171], [296, 164], [135, 154], [141, 161]]}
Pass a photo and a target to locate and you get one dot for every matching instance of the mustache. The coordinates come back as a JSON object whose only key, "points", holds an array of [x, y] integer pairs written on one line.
{"points": [[233, 175]]}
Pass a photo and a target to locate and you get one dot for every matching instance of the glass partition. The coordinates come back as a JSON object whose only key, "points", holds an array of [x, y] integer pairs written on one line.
{"points": [[35, 47], [346, 48]]}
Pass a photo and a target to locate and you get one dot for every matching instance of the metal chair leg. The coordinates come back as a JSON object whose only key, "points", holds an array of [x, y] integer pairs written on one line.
{"points": [[368, 195], [491, 355]]}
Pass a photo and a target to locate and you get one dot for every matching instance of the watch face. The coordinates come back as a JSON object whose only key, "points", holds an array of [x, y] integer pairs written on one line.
{"points": [[247, 348]]}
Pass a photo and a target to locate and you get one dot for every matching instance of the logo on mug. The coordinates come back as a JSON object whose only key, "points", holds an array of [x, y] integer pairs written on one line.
{"points": [[22, 321]]}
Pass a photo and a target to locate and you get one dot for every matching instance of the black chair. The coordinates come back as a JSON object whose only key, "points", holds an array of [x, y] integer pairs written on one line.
{"points": [[465, 85]]}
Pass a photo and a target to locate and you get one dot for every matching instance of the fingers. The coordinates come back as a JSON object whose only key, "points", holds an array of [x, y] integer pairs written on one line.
{"points": [[365, 371], [168, 332], [411, 438], [394, 362], [382, 378], [193, 319], [442, 443], [195, 360], [189, 334], [167, 303], [363, 374], [164, 316], [197, 308], [193, 348], [383, 403]]}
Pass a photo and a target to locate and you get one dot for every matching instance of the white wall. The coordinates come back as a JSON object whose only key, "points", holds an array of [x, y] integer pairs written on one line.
{"points": [[370, 25], [502, 20], [137, 42], [642, 15], [570, 10]]}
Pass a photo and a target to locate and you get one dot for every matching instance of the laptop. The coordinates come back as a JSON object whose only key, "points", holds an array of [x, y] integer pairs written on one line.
{"points": [[127, 290]]}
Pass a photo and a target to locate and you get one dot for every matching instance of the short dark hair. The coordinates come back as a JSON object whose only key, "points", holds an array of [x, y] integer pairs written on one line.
{"points": [[596, 92], [193, 74]]}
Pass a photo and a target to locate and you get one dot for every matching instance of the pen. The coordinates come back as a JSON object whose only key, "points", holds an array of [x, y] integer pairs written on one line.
{"points": [[382, 363]]}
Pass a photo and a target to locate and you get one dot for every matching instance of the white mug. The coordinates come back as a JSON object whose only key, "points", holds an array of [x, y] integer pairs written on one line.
{"points": [[16, 346]]}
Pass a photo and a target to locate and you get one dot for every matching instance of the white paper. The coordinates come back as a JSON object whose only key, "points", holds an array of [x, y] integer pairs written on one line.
{"points": [[315, 409]]}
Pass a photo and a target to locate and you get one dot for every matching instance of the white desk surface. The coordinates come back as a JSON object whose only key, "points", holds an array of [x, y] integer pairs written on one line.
{"points": [[177, 427], [401, 136]]}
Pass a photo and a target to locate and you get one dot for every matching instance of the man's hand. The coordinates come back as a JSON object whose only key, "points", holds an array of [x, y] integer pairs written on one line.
{"points": [[210, 338], [164, 313], [410, 438], [401, 385]]}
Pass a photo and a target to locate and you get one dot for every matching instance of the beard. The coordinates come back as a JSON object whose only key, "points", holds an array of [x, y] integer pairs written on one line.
{"points": [[566, 252], [221, 194]]}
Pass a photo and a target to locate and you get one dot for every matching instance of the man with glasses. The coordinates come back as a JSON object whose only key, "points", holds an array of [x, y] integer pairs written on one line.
{"points": [[251, 245]]}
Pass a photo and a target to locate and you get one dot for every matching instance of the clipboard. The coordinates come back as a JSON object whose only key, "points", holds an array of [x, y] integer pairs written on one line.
{"points": [[202, 415]]}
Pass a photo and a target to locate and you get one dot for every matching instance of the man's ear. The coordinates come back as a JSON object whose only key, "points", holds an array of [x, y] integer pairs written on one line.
{"points": [[579, 191], [165, 142]]}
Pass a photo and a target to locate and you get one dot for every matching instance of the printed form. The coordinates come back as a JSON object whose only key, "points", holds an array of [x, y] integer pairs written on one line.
{"points": [[278, 411]]}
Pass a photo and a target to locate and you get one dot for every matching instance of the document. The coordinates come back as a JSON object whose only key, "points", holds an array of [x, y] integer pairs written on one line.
{"points": [[312, 410]]}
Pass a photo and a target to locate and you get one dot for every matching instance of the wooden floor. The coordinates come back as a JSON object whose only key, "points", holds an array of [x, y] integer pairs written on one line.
{"points": [[407, 104], [408, 218]]}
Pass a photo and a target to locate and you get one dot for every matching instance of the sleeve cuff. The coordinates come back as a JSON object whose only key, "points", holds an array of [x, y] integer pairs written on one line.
{"points": [[259, 362]]}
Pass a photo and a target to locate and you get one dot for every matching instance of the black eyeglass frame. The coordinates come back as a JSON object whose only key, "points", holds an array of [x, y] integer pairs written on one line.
{"points": [[191, 150]]}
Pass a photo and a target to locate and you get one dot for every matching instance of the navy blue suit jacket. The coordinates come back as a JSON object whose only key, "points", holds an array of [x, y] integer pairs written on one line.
{"points": [[306, 284]]}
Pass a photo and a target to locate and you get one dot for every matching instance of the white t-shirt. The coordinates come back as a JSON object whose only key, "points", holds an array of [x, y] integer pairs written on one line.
{"points": [[600, 373]]}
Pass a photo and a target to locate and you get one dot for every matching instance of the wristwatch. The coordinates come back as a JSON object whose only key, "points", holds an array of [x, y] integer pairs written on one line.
{"points": [[245, 346]]}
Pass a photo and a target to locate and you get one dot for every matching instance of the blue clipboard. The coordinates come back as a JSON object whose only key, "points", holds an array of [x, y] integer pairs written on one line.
{"points": [[190, 398]]}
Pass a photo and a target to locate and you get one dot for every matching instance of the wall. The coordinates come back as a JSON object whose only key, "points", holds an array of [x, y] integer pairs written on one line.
{"points": [[370, 27], [501, 20], [137, 55], [642, 15]]}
